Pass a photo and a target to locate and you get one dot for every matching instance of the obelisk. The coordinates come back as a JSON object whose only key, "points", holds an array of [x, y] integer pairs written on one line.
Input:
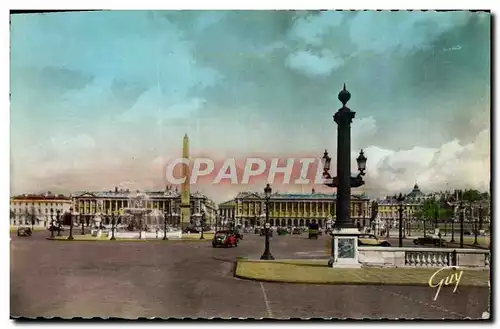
{"points": [[185, 190]]}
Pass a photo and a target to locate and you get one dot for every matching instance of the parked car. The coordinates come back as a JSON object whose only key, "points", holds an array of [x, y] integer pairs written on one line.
{"points": [[225, 239], [24, 231], [55, 228], [429, 240], [296, 231], [269, 232], [191, 229], [282, 231], [372, 240]]}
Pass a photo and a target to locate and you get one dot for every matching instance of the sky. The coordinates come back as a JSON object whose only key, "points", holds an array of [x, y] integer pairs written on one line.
{"points": [[103, 99]]}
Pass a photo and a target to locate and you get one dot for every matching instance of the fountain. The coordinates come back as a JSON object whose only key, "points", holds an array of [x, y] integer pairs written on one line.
{"points": [[147, 222]]}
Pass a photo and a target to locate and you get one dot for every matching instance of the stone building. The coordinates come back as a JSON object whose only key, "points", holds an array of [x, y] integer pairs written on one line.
{"points": [[291, 209], [37, 209], [88, 204]]}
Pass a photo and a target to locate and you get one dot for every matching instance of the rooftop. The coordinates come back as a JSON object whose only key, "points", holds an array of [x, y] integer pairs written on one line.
{"points": [[308, 196], [47, 196]]}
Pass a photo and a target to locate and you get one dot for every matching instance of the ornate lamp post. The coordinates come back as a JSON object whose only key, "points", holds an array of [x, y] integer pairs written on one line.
{"points": [[82, 221], [70, 237], [476, 222], [113, 226], [401, 209], [267, 253], [408, 216], [165, 225], [58, 214], [52, 226], [451, 202], [202, 223], [347, 245], [462, 215]]}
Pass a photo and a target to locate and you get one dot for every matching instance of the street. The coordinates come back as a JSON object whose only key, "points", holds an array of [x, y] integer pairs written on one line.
{"points": [[192, 279]]}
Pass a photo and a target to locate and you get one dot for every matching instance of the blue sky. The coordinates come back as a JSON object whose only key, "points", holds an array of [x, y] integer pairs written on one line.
{"points": [[100, 99]]}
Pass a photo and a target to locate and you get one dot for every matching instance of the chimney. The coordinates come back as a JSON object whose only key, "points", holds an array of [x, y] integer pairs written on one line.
{"points": [[116, 189], [313, 191]]}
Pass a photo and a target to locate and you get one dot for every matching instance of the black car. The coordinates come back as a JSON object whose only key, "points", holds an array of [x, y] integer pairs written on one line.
{"points": [[429, 240], [191, 229], [269, 232], [297, 231], [55, 228], [24, 231]]}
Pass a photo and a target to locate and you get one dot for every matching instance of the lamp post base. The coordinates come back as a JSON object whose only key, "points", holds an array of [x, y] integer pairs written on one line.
{"points": [[113, 238], [71, 237], [344, 253], [267, 256]]}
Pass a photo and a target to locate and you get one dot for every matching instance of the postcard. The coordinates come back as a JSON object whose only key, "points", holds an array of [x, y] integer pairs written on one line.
{"points": [[242, 165]]}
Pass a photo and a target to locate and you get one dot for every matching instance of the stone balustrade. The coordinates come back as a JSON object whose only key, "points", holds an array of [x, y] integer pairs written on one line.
{"points": [[423, 257], [146, 235]]}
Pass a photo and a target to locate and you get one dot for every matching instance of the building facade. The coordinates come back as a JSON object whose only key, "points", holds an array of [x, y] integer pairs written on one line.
{"points": [[291, 209], [38, 209], [388, 207], [88, 204]]}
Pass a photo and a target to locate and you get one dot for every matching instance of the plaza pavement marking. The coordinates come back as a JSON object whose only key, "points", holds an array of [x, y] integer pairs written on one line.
{"points": [[430, 305], [266, 301], [318, 272]]}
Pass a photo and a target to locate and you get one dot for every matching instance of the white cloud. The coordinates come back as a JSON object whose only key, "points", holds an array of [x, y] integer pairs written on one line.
{"points": [[314, 65], [312, 28], [450, 166]]}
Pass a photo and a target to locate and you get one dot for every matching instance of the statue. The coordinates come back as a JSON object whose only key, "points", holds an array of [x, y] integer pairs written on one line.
{"points": [[97, 222]]}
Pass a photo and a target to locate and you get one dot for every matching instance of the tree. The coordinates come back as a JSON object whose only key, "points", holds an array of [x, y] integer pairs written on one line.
{"points": [[471, 196], [30, 216], [433, 210]]}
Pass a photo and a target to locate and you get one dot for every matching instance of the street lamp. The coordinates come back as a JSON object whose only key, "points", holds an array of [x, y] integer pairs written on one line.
{"points": [[165, 225], [462, 215], [113, 226], [52, 226], [58, 222], [267, 253], [400, 200], [70, 237], [82, 221], [451, 202], [476, 225], [202, 223]]}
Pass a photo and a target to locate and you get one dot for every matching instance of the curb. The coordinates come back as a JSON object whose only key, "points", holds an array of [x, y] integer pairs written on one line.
{"points": [[282, 262], [350, 283]]}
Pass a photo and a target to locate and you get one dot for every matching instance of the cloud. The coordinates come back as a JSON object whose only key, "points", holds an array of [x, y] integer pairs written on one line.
{"points": [[311, 28], [401, 30], [314, 65], [452, 165], [247, 82]]}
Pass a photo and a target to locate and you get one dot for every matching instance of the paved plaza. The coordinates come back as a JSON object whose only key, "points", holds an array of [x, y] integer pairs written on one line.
{"points": [[192, 279]]}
